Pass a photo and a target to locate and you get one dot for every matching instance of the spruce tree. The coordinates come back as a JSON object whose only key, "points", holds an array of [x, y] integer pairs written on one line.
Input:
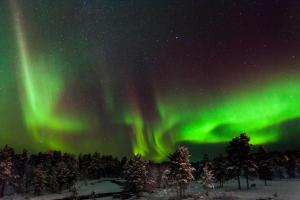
{"points": [[62, 174], [5, 168], [220, 171], [200, 165], [52, 180], [240, 158], [95, 167], [73, 175], [39, 180], [265, 170], [280, 161], [207, 180], [83, 164], [181, 171], [20, 171], [265, 165], [291, 165], [136, 174]]}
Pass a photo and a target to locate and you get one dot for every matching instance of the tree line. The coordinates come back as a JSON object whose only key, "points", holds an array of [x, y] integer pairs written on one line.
{"points": [[240, 160], [55, 171], [52, 171]]}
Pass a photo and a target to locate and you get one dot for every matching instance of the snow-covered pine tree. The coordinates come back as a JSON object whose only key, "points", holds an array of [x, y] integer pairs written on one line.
{"points": [[83, 164], [280, 161], [95, 166], [72, 165], [165, 178], [5, 168], [20, 171], [52, 180], [136, 174], [181, 171], [62, 174], [207, 180], [5, 174], [205, 162], [200, 165], [39, 179]]}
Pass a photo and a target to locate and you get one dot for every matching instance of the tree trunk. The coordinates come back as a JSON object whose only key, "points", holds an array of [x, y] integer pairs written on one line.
{"points": [[2, 189], [265, 182], [180, 191], [247, 181], [239, 182], [60, 188]]}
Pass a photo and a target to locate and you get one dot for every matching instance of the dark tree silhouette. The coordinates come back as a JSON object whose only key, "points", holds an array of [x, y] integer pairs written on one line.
{"points": [[265, 165], [39, 180], [239, 156], [62, 173], [220, 170], [20, 171], [291, 164]]}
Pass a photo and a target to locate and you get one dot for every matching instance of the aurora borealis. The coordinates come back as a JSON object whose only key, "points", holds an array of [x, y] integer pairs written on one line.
{"points": [[128, 77]]}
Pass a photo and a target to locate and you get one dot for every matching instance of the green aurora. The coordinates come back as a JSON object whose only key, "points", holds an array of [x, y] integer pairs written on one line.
{"points": [[42, 117], [258, 112], [40, 90]]}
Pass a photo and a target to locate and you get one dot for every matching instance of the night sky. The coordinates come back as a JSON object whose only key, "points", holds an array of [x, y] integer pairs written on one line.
{"points": [[128, 77]]}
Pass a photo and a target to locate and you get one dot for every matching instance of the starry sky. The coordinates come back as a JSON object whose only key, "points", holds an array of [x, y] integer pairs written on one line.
{"points": [[141, 77]]}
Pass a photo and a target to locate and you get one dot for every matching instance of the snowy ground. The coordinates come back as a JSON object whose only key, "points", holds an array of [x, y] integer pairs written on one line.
{"points": [[284, 190], [97, 186], [277, 190]]}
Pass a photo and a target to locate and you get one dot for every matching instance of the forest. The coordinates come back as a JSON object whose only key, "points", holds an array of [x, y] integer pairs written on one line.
{"points": [[54, 171]]}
